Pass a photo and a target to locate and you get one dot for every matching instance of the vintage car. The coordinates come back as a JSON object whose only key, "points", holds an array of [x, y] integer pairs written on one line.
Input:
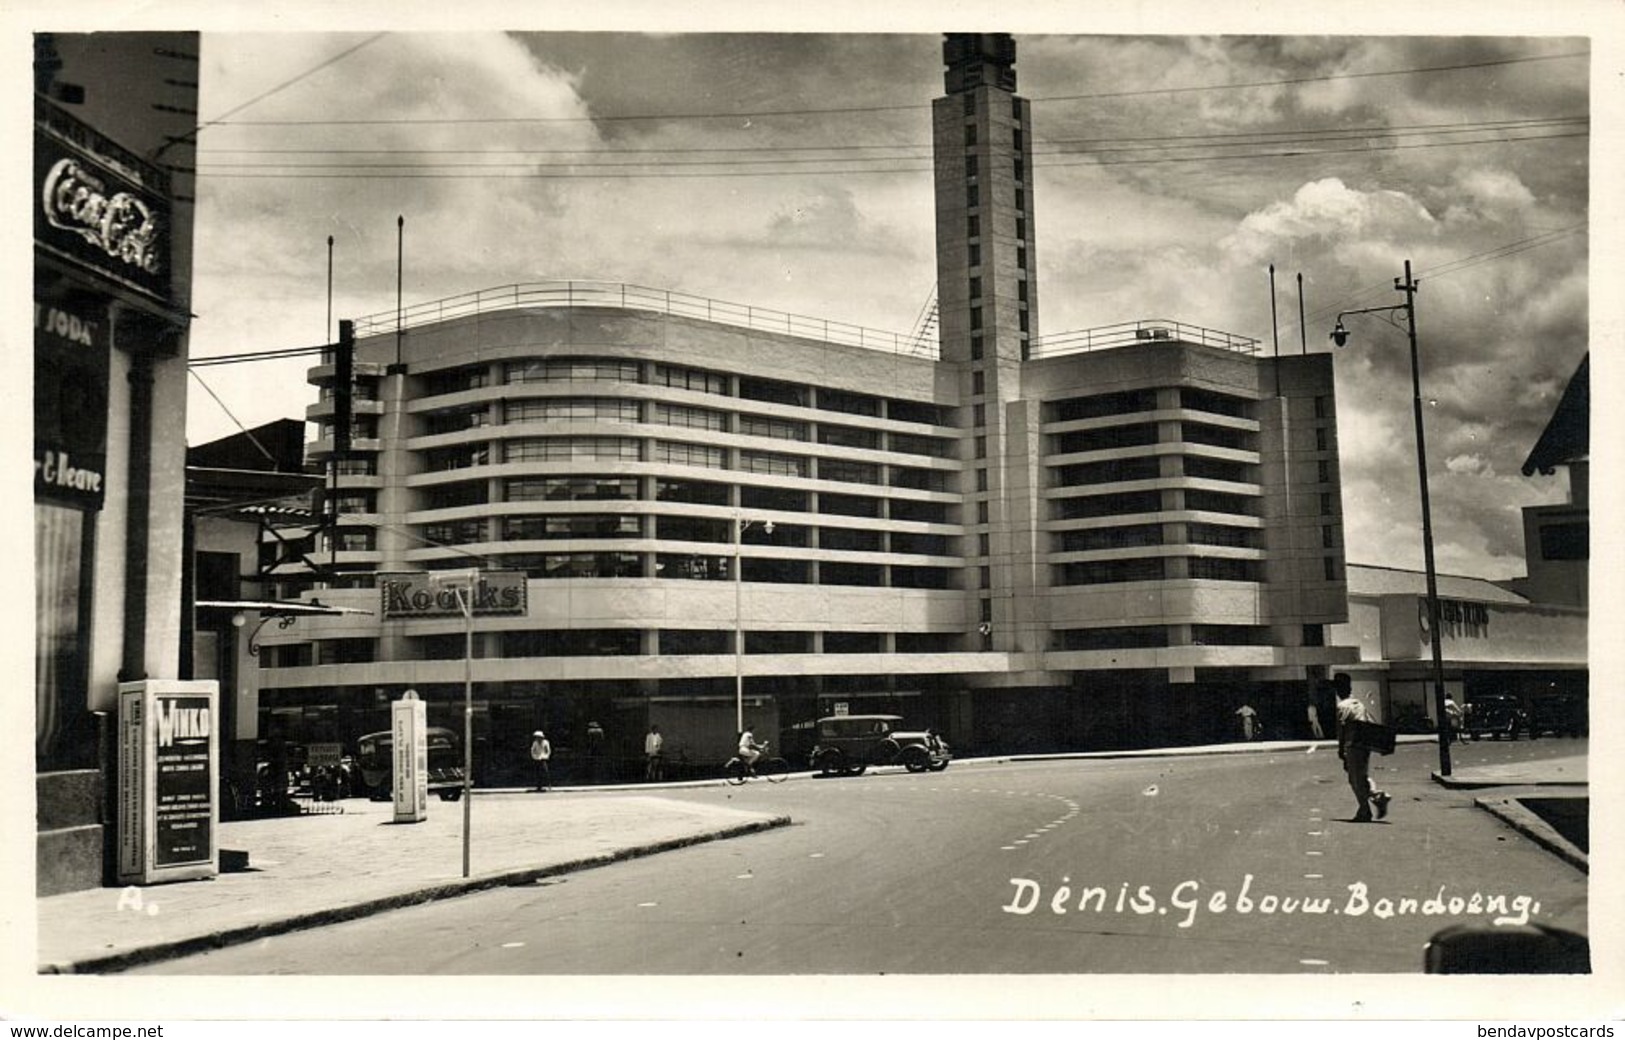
{"points": [[1495, 714], [849, 744], [445, 763]]}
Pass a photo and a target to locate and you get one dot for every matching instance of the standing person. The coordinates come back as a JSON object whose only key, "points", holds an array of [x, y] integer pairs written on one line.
{"points": [[595, 751], [541, 753], [1356, 756], [1249, 721], [749, 750], [654, 766], [1452, 718], [1314, 722]]}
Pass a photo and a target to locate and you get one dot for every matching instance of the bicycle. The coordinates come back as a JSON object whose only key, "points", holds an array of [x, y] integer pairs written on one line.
{"points": [[773, 770]]}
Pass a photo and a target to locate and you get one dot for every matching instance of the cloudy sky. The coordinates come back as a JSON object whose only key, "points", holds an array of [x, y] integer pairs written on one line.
{"points": [[791, 171]]}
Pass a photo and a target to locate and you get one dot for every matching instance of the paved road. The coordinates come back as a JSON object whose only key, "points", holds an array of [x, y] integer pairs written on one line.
{"points": [[1175, 865]]}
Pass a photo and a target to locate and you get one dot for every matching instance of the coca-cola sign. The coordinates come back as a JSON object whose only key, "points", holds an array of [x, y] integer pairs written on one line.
{"points": [[95, 213]]}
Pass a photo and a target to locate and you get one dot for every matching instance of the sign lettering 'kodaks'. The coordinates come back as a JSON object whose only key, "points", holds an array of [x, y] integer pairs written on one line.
{"points": [[416, 596]]}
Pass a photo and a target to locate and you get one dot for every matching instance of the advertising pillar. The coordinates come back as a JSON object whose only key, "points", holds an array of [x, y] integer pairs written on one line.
{"points": [[168, 779], [410, 722]]}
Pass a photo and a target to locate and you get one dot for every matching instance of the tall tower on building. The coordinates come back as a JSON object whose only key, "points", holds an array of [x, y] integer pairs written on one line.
{"points": [[988, 305]]}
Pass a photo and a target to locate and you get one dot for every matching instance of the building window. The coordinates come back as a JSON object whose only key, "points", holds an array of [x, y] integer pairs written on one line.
{"points": [[848, 472], [1322, 407], [778, 429], [1021, 286], [1225, 569], [911, 444], [455, 380], [848, 436], [984, 545], [1327, 539], [683, 642], [1021, 229], [1571, 541], [1127, 637], [976, 317], [1120, 504], [1220, 502], [970, 166], [985, 576], [970, 128], [570, 409], [773, 463], [554, 449], [976, 348], [981, 447], [1219, 469], [1105, 438], [981, 479], [696, 492], [981, 512], [570, 489], [975, 288], [973, 226], [848, 505], [971, 198], [570, 370], [773, 391], [1326, 504], [1218, 436], [849, 403], [692, 418], [978, 383], [985, 611], [1094, 539], [1110, 572], [682, 453], [975, 258], [681, 377], [978, 415], [1021, 199], [1331, 567], [1026, 348], [366, 466], [1225, 535], [1020, 169], [1021, 320], [570, 525], [1320, 438]]}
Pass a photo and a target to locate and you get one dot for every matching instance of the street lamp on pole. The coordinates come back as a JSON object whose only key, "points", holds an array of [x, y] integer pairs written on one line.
{"points": [[462, 584], [1340, 336], [739, 525]]}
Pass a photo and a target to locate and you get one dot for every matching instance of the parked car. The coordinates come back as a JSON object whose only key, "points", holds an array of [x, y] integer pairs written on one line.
{"points": [[445, 763], [1561, 715], [849, 744], [1497, 714]]}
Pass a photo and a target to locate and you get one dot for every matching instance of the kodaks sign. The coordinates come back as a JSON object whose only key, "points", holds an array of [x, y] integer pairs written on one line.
{"points": [[417, 596]]}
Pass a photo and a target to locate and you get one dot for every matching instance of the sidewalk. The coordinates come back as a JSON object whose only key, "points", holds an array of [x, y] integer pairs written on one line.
{"points": [[306, 871]]}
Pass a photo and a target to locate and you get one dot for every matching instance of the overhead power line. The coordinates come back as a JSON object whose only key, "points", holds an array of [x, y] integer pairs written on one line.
{"points": [[871, 109]]}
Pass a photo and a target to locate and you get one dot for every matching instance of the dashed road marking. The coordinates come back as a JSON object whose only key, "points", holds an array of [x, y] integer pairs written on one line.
{"points": [[512, 945], [1311, 962], [648, 904], [1314, 877]]}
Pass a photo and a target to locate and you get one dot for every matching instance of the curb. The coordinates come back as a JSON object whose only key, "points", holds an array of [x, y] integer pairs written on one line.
{"points": [[414, 897], [1459, 783], [1525, 822]]}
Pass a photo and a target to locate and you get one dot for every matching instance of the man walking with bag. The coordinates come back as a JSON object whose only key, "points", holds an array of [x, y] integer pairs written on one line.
{"points": [[1355, 753]]}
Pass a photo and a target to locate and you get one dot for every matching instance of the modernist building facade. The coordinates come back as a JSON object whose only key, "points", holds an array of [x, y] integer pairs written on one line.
{"points": [[1105, 538], [111, 199]]}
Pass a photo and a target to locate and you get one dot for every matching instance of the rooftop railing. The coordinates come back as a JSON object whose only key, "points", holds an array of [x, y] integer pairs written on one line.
{"points": [[1149, 330], [641, 298]]}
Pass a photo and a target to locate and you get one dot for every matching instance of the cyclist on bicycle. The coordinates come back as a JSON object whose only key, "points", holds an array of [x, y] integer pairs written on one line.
{"points": [[749, 750]]}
